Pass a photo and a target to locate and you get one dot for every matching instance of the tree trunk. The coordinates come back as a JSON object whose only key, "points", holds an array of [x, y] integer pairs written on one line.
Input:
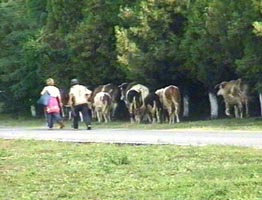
{"points": [[185, 105], [33, 111], [213, 105], [260, 99]]}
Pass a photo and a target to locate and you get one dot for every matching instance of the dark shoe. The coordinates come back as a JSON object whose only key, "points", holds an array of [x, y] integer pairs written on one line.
{"points": [[89, 128]]}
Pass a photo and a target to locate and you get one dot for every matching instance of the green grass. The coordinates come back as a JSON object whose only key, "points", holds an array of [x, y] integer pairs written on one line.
{"points": [[250, 124], [55, 170]]}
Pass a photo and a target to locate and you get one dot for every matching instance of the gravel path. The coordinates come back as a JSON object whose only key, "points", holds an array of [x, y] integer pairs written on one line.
{"points": [[127, 136]]}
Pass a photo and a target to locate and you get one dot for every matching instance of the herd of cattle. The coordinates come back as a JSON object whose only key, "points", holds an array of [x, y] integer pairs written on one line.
{"points": [[162, 105]]}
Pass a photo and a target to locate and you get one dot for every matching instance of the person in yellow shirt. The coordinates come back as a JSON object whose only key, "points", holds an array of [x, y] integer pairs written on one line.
{"points": [[78, 100]]}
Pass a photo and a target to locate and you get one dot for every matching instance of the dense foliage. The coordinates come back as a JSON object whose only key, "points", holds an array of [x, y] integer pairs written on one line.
{"points": [[156, 42]]}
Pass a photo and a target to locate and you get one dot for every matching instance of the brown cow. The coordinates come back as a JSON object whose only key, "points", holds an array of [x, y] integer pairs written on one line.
{"points": [[235, 94], [170, 98]]}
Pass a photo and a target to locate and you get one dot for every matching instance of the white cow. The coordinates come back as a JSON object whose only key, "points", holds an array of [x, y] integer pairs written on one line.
{"points": [[102, 104], [134, 95]]}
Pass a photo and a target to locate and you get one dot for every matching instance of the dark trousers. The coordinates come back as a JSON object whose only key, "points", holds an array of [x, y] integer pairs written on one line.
{"points": [[53, 118], [84, 109]]}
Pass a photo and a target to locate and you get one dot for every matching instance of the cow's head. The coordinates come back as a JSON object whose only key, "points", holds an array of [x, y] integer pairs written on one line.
{"points": [[122, 88], [231, 88], [221, 88]]}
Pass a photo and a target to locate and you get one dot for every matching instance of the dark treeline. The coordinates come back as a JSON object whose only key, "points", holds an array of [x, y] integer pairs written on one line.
{"points": [[194, 44]]}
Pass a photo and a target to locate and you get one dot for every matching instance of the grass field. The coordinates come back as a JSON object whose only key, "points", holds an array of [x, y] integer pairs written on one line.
{"points": [[54, 170]]}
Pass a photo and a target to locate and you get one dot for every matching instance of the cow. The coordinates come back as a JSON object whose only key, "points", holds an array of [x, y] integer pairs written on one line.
{"points": [[153, 108], [102, 104], [125, 87], [134, 105], [113, 91], [133, 95], [235, 94], [170, 98]]}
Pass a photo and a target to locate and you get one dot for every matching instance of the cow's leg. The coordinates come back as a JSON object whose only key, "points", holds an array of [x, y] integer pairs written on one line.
{"points": [[236, 110], [171, 115], [152, 113], [154, 120], [138, 118], [175, 106], [177, 112], [149, 113], [99, 116], [260, 100], [158, 116], [107, 114], [240, 108], [105, 117], [132, 117], [103, 113], [130, 111], [227, 109], [246, 107], [150, 116], [132, 120], [170, 118], [94, 113], [155, 115], [165, 115], [114, 105]]}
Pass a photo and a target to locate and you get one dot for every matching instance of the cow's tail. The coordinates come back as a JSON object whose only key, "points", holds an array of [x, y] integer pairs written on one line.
{"points": [[106, 101], [134, 103], [155, 111]]}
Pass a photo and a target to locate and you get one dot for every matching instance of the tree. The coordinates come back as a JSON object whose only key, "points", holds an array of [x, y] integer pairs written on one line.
{"points": [[148, 41], [93, 44], [16, 78]]}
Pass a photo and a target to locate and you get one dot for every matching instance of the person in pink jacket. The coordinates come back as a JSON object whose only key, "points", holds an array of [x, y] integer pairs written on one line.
{"points": [[53, 109]]}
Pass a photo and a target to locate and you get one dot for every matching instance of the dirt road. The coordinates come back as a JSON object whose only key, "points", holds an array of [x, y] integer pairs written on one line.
{"points": [[126, 136]]}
